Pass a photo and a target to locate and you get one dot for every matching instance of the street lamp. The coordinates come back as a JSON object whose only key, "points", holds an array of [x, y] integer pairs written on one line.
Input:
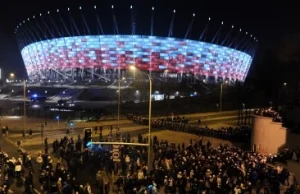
{"points": [[12, 75], [57, 118], [221, 94], [149, 118], [133, 68], [119, 101], [24, 106]]}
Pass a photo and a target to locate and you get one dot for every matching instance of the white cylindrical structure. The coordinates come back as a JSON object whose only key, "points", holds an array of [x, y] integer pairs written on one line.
{"points": [[270, 137]]}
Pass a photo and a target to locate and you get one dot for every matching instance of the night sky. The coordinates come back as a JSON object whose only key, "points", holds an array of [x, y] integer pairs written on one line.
{"points": [[269, 21]]}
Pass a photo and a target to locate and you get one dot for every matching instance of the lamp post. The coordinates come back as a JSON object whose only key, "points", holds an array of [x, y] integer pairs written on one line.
{"points": [[12, 76], [57, 118], [221, 95], [149, 119], [24, 120], [119, 101]]}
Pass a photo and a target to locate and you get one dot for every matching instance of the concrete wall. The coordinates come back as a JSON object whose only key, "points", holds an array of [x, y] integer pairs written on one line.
{"points": [[270, 137]]}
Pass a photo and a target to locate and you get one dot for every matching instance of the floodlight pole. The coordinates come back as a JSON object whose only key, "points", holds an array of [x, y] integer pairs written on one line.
{"points": [[221, 96], [149, 125], [119, 100], [149, 119], [24, 120]]}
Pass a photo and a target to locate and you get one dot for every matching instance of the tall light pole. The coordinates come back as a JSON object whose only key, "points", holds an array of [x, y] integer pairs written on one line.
{"points": [[221, 95], [57, 118], [24, 120], [119, 100], [149, 118]]}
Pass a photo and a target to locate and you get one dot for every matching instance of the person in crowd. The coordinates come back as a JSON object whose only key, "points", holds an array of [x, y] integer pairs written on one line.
{"points": [[30, 133]]}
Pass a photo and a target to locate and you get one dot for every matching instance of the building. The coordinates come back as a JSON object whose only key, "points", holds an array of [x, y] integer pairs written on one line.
{"points": [[87, 56]]}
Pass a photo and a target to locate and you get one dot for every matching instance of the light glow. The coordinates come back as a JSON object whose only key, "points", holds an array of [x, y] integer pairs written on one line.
{"points": [[210, 59]]}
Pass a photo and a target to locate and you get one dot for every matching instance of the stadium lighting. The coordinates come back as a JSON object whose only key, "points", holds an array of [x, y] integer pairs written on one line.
{"points": [[152, 8], [174, 11], [139, 42], [112, 6]]}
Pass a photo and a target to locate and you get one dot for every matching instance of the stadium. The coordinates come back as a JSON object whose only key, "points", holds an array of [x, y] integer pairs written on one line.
{"points": [[62, 55]]}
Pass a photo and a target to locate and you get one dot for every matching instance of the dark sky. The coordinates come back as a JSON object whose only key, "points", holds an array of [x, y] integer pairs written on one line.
{"points": [[268, 20]]}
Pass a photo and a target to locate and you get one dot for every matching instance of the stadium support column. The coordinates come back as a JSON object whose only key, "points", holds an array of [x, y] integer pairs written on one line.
{"points": [[72, 71], [92, 72], [104, 71], [82, 71]]}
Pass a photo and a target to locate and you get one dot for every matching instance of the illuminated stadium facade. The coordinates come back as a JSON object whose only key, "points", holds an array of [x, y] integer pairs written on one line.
{"points": [[106, 57]]}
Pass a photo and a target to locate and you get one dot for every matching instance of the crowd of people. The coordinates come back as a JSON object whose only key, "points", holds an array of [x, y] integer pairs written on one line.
{"points": [[235, 134], [269, 112], [12, 169], [200, 168], [197, 167]]}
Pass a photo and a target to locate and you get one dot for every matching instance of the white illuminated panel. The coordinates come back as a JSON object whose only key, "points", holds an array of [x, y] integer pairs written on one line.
{"points": [[159, 53]]}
